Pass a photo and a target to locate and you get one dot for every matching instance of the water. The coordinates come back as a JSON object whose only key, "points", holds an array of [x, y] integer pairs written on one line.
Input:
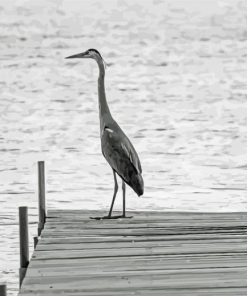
{"points": [[175, 82]]}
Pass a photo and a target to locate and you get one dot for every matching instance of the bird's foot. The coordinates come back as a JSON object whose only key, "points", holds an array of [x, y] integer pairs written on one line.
{"points": [[126, 217], [111, 217]]}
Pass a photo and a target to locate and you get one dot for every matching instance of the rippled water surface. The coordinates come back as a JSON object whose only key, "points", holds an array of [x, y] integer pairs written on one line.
{"points": [[175, 82]]}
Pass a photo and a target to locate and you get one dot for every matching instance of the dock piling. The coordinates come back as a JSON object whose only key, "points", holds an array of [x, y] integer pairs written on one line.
{"points": [[35, 241], [41, 192], [24, 242], [3, 290]]}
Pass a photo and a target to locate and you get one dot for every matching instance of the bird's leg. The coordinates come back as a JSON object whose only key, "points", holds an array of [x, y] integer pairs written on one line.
{"points": [[123, 188], [109, 216], [124, 204], [114, 193]]}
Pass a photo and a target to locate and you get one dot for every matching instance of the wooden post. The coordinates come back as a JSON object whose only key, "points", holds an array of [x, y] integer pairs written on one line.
{"points": [[41, 182], [3, 290], [35, 241], [24, 242]]}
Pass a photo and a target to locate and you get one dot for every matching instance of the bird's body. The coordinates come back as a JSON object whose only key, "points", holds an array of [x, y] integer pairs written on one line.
{"points": [[116, 147], [121, 156]]}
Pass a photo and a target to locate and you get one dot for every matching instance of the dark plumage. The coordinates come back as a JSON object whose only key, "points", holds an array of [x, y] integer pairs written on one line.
{"points": [[95, 50], [122, 157]]}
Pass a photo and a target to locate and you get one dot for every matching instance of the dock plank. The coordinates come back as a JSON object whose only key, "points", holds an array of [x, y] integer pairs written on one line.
{"points": [[167, 292], [153, 253]]}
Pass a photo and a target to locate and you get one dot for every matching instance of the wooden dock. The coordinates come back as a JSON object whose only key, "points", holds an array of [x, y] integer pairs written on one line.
{"points": [[153, 253]]}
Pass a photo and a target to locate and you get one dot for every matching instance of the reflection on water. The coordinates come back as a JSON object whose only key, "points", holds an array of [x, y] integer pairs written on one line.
{"points": [[176, 83]]}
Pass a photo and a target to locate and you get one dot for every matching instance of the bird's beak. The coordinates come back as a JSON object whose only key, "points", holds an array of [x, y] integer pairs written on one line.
{"points": [[79, 55]]}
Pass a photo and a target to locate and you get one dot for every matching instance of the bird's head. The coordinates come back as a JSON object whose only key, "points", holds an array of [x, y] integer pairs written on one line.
{"points": [[88, 54]]}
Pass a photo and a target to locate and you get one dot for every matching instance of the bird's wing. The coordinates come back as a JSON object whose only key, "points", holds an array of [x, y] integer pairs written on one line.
{"points": [[133, 155], [119, 152]]}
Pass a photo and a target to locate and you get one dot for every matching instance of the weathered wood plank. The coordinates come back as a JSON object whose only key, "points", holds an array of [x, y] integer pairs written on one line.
{"points": [[186, 280], [108, 239], [140, 232], [77, 214], [148, 292], [168, 259], [207, 272], [141, 268], [158, 225], [128, 252], [136, 244], [72, 212]]}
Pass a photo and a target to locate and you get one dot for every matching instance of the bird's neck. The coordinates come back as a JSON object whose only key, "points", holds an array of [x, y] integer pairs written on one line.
{"points": [[103, 106]]}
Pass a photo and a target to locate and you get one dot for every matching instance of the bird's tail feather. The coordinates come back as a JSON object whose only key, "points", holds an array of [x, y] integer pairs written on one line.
{"points": [[137, 184]]}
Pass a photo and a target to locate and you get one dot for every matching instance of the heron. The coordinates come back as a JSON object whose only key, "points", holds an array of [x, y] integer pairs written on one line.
{"points": [[115, 145]]}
